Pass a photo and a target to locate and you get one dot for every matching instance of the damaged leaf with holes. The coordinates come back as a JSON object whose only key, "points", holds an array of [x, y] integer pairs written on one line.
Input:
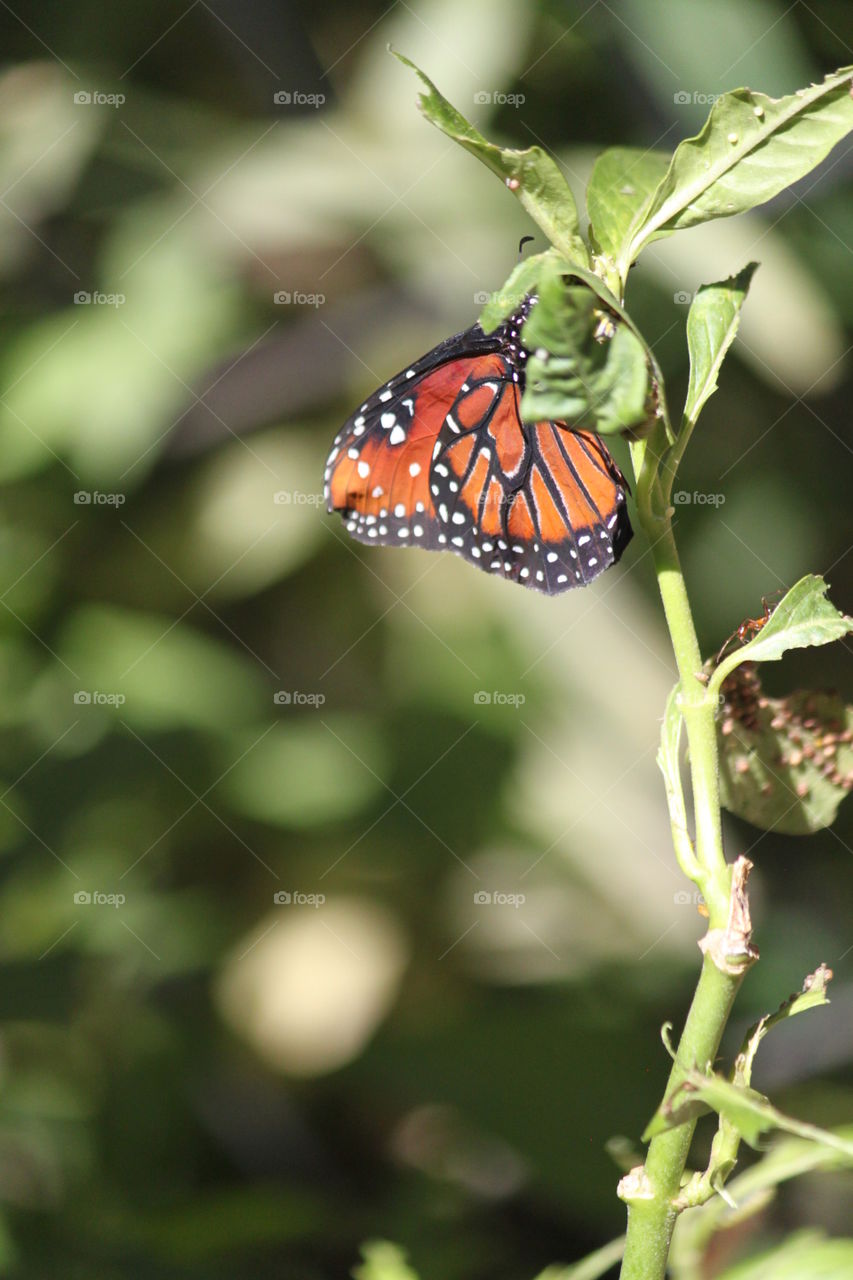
{"points": [[785, 763], [586, 366]]}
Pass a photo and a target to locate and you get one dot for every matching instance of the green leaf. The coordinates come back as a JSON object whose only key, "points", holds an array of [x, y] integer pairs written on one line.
{"points": [[585, 366], [802, 618], [812, 996], [669, 763], [712, 323], [785, 763], [724, 1149], [749, 1193], [383, 1261], [656, 407], [748, 1111], [807, 1254], [750, 148], [680, 1108], [523, 280], [531, 174], [622, 183]]}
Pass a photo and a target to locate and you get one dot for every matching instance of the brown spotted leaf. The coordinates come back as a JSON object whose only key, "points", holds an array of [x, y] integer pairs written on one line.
{"points": [[785, 763]]}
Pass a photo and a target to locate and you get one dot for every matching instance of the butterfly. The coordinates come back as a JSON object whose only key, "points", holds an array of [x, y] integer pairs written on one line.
{"points": [[439, 458]]}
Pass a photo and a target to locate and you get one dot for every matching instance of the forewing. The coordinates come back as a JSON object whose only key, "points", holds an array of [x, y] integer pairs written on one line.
{"points": [[377, 474]]}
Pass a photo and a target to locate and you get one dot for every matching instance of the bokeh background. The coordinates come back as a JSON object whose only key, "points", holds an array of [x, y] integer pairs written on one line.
{"points": [[210, 697]]}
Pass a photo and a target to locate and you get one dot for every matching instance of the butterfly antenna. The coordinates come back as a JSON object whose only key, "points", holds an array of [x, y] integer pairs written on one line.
{"points": [[522, 242]]}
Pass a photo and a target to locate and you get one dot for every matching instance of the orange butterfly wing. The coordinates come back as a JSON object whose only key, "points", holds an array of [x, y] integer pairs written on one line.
{"points": [[439, 458]]}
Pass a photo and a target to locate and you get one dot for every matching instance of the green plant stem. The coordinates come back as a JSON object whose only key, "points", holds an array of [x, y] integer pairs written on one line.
{"points": [[651, 1220], [698, 710], [651, 1213]]}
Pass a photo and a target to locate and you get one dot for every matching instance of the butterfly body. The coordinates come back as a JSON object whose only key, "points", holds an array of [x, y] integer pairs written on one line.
{"points": [[439, 458]]}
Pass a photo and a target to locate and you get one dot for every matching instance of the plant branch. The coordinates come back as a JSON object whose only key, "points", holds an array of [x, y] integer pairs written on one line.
{"points": [[651, 1190]]}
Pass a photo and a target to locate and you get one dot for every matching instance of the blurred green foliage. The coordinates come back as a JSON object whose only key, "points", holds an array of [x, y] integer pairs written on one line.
{"points": [[200, 1080]]}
